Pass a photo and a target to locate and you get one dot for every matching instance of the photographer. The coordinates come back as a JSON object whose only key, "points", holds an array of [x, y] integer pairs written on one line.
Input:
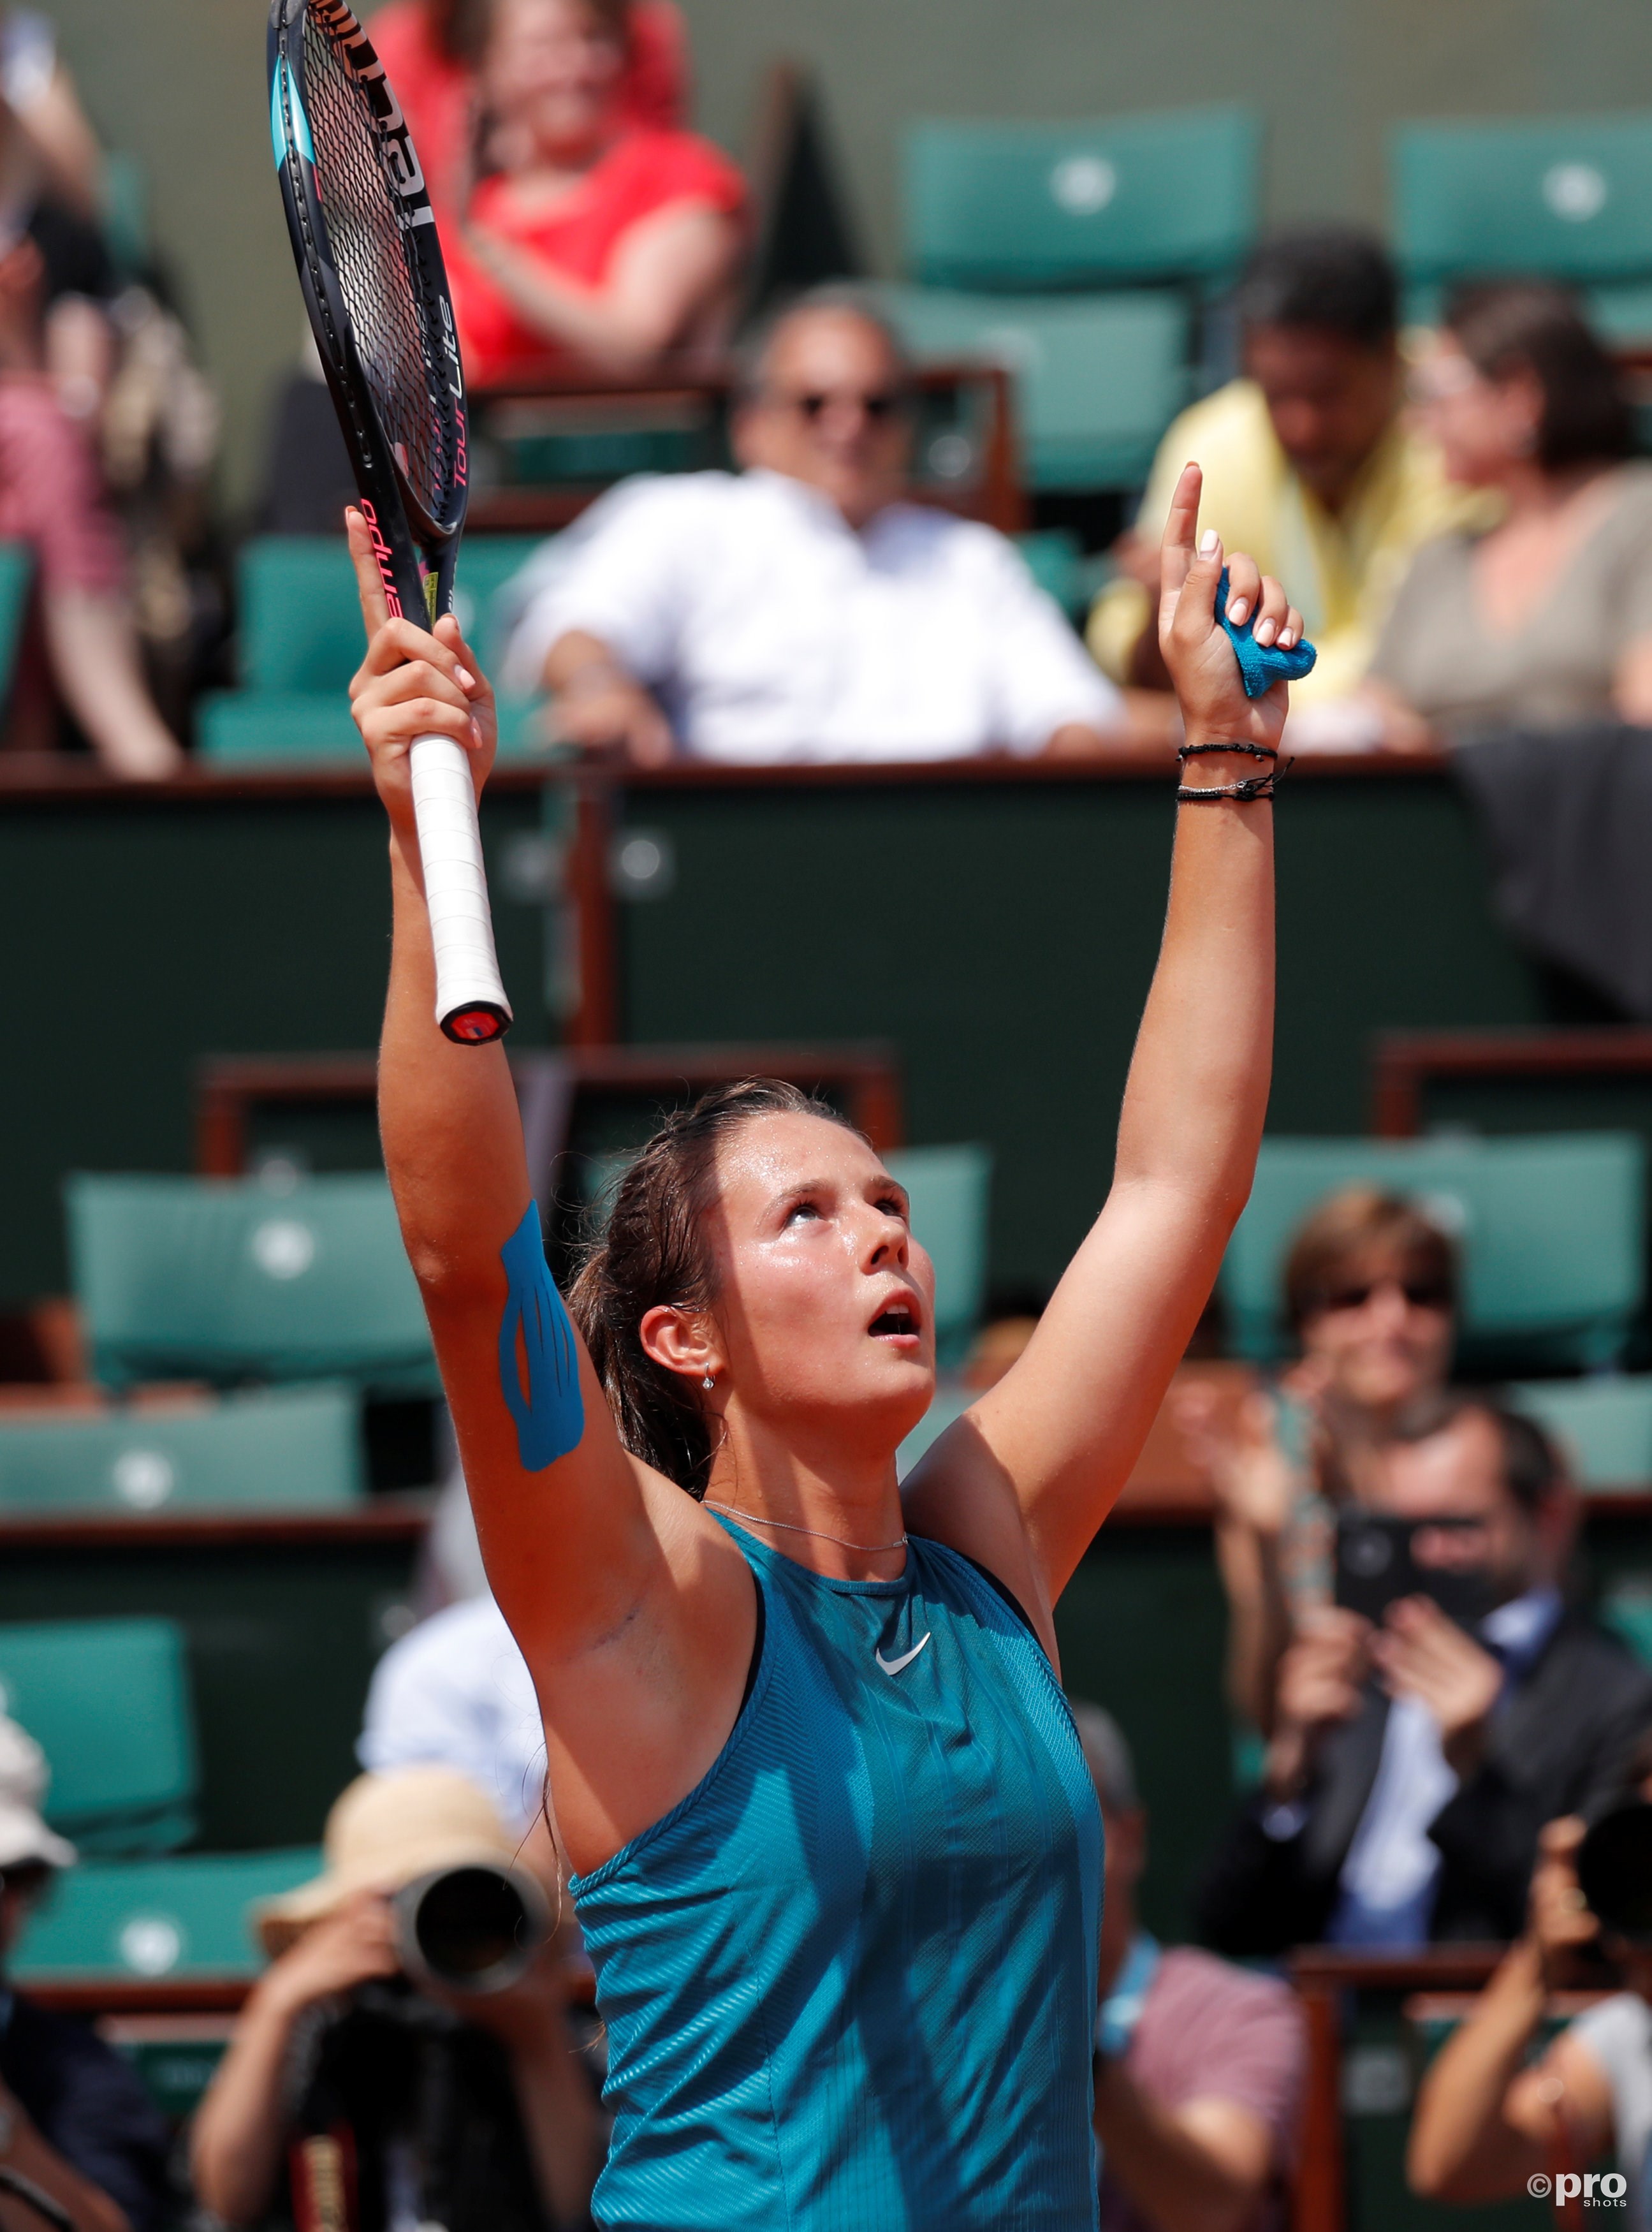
{"points": [[1417, 1752], [361, 2075], [1487, 2120]]}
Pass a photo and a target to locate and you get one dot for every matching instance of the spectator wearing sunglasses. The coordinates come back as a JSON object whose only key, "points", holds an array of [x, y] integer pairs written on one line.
{"points": [[1371, 1295], [799, 609]]}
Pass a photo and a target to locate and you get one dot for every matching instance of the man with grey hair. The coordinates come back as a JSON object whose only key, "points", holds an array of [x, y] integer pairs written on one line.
{"points": [[1199, 2064], [799, 609]]}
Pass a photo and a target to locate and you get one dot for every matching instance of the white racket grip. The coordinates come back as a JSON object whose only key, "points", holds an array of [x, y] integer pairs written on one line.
{"points": [[470, 1002]]}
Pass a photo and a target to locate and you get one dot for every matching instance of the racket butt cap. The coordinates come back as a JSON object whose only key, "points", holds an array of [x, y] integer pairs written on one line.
{"points": [[479, 1022]]}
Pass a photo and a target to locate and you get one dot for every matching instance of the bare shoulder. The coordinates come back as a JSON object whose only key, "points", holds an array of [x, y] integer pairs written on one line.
{"points": [[962, 1493], [637, 1714]]}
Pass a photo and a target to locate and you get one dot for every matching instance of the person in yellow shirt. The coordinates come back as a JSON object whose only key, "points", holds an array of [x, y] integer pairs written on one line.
{"points": [[1308, 463]]}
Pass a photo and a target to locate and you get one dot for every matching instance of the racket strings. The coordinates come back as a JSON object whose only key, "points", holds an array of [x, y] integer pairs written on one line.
{"points": [[391, 313]]}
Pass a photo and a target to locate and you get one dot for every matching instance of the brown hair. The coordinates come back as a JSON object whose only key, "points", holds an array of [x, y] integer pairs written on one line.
{"points": [[1539, 330], [462, 26], [1340, 1237], [654, 1251]]}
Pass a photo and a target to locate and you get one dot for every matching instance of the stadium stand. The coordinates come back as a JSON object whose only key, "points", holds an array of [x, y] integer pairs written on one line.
{"points": [[180, 1279], [1079, 256], [1559, 197], [291, 1449]]}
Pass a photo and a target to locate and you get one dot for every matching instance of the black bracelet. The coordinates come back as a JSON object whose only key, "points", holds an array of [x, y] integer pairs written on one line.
{"points": [[1254, 787], [1254, 751]]}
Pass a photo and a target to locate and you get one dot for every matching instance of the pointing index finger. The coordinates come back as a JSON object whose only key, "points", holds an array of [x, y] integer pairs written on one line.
{"points": [[1181, 527]]}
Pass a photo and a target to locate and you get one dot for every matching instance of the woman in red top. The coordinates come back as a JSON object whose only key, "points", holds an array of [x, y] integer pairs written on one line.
{"points": [[591, 239], [430, 47]]}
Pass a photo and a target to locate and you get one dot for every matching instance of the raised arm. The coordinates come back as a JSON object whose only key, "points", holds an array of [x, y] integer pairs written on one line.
{"points": [[1026, 1476]]}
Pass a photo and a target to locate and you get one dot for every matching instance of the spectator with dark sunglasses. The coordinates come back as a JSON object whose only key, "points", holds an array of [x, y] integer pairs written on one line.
{"points": [[799, 609], [1370, 1292]]}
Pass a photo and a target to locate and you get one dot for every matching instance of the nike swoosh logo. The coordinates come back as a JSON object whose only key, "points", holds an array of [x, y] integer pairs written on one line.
{"points": [[899, 1666]]}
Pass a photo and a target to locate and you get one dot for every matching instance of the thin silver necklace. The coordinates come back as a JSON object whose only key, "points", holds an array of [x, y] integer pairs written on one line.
{"points": [[866, 1549]]}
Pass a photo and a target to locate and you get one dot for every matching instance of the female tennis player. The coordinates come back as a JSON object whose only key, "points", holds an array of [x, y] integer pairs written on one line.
{"points": [[836, 1853]]}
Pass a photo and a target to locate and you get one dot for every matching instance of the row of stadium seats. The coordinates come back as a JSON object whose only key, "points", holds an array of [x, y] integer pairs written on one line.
{"points": [[1079, 254], [233, 1283], [110, 1703]]}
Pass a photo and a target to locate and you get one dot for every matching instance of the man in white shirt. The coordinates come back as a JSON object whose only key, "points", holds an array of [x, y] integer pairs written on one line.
{"points": [[455, 1692], [799, 610]]}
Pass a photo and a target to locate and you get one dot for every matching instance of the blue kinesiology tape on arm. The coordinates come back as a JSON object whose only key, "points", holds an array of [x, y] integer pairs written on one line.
{"points": [[550, 1412], [1262, 665]]}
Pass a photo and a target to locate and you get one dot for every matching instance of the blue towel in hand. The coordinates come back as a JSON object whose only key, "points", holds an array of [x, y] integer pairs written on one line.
{"points": [[1262, 665]]}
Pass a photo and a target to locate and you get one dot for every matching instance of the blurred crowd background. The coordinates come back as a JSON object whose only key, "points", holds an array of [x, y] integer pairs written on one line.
{"points": [[830, 372]]}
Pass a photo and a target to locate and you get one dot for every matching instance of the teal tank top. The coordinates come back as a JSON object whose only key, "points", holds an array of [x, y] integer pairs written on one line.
{"points": [[849, 1981]]}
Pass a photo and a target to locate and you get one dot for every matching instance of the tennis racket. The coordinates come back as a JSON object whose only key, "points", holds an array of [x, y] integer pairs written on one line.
{"points": [[364, 237]]}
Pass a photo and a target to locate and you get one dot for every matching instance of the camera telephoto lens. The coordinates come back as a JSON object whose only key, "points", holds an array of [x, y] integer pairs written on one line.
{"points": [[1615, 1871], [472, 1928]]}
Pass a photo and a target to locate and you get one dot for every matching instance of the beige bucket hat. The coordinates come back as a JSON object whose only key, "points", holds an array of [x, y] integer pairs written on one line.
{"points": [[24, 1776], [385, 1832]]}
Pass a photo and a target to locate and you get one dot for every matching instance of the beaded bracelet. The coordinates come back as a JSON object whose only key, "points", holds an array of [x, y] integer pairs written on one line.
{"points": [[1254, 787]]}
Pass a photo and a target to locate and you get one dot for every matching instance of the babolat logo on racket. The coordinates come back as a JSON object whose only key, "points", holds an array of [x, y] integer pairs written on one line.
{"points": [[401, 162]]}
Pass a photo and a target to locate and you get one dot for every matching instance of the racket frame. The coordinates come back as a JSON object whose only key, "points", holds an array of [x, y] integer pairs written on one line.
{"points": [[416, 554]]}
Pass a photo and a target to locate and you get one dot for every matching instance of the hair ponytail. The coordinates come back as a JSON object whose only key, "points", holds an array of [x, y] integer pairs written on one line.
{"points": [[654, 1251]]}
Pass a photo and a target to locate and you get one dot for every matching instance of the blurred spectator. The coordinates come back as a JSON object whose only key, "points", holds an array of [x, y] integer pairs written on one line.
{"points": [[1199, 2065], [1545, 620], [474, 2111], [588, 239], [1489, 2114], [75, 2118], [47, 147], [430, 49], [1412, 1764], [1308, 465], [1370, 1292], [51, 498], [799, 610], [455, 1692]]}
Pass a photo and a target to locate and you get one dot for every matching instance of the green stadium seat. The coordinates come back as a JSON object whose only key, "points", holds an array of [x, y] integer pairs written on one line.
{"points": [[17, 577], [180, 1919], [227, 1280], [1604, 1424], [1098, 377], [126, 230], [1553, 1231], [107, 1701], [301, 642], [950, 1192], [1561, 197], [287, 1449], [1055, 560], [1111, 203]]}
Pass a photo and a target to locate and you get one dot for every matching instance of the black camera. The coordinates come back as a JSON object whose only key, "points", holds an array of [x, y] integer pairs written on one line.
{"points": [[474, 1929], [1615, 1871], [1376, 1565]]}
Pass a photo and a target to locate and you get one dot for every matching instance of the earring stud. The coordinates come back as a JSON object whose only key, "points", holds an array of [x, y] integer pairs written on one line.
{"points": [[708, 1381]]}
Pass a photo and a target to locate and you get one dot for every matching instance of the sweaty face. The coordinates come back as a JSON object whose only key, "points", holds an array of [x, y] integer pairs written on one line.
{"points": [[830, 413], [548, 77], [1457, 1475], [1331, 399], [826, 1307], [1386, 1339]]}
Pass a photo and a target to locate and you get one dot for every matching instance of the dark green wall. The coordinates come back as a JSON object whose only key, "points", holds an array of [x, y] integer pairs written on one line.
{"points": [[180, 83], [1002, 934]]}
